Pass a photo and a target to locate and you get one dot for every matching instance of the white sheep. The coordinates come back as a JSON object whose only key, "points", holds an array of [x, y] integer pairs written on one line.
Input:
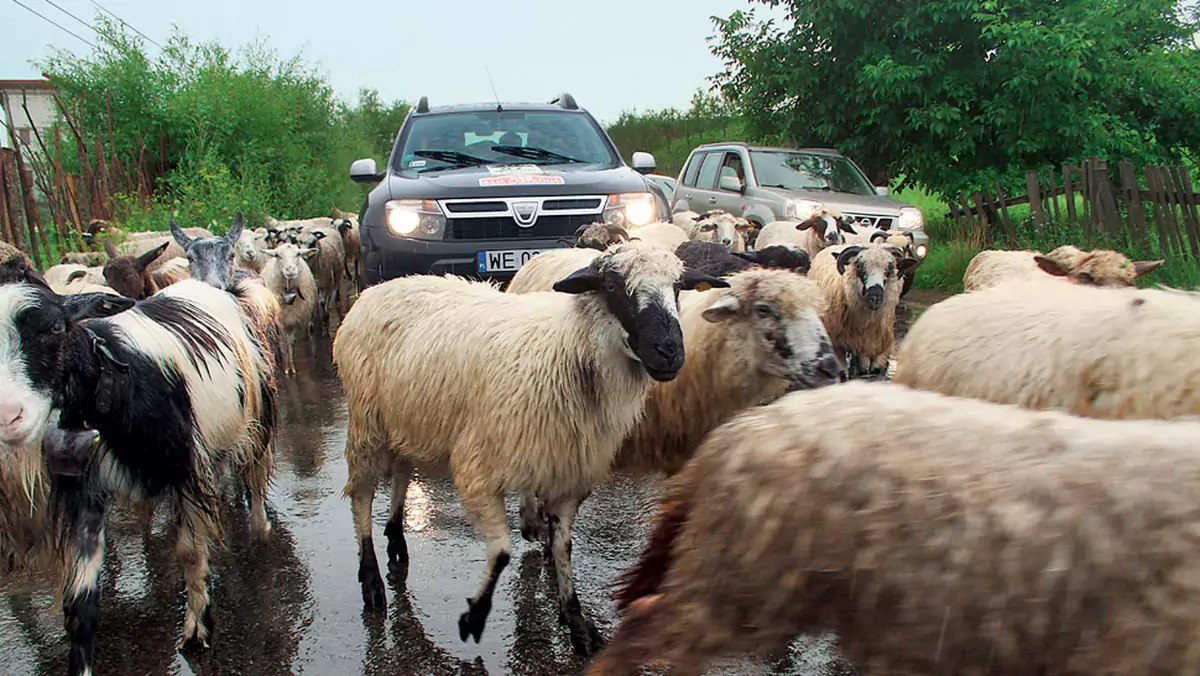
{"points": [[288, 276], [974, 539], [1102, 353], [1100, 267], [665, 236], [821, 230], [745, 344], [862, 291], [58, 276], [530, 393], [328, 268], [248, 251], [715, 225]]}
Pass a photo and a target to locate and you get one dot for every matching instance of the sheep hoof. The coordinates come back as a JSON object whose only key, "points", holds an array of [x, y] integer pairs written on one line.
{"points": [[585, 638], [197, 639], [373, 595], [471, 622]]}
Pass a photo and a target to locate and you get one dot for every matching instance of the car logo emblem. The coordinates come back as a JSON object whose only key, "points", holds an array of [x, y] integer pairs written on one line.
{"points": [[525, 213]]}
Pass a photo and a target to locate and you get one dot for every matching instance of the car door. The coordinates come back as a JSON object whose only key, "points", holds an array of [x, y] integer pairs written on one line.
{"points": [[731, 201], [703, 195], [685, 190]]}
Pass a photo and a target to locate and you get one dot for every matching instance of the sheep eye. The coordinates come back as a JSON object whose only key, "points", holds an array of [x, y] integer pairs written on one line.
{"points": [[59, 327], [764, 311]]}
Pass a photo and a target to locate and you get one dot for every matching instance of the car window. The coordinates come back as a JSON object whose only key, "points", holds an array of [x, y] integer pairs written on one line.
{"points": [[693, 168], [732, 166], [708, 171], [804, 171], [568, 134]]}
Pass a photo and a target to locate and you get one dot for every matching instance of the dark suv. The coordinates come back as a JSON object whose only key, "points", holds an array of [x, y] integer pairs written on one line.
{"points": [[478, 190]]}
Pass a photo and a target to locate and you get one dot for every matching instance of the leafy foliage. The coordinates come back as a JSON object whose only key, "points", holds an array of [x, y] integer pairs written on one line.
{"points": [[958, 93], [219, 132], [670, 135]]}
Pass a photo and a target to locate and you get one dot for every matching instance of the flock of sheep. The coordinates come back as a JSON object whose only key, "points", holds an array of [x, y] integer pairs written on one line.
{"points": [[950, 530]]}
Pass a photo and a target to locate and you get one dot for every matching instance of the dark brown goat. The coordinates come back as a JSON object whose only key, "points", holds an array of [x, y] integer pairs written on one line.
{"points": [[128, 275]]}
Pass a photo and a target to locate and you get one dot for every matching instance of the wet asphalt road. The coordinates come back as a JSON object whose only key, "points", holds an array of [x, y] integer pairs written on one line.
{"points": [[293, 606]]}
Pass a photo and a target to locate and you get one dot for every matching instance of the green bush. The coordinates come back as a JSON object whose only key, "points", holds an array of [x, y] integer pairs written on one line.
{"points": [[217, 133]]}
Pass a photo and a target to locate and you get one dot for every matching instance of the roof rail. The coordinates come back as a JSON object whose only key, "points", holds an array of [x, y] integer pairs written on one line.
{"points": [[423, 105], [724, 143], [565, 100]]}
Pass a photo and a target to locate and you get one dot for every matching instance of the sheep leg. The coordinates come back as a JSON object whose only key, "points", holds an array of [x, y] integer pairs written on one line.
{"points": [[289, 349], [84, 521], [488, 516], [195, 533], [397, 549], [362, 493], [584, 636], [257, 474], [533, 526]]}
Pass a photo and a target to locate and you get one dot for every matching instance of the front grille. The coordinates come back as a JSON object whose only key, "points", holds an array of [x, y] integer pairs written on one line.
{"points": [[475, 207], [504, 227], [563, 205], [881, 222]]}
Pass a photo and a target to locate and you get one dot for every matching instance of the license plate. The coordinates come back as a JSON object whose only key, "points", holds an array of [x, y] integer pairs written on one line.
{"points": [[504, 261]]}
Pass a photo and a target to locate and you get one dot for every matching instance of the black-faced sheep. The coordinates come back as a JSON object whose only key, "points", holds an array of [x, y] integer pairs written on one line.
{"points": [[980, 539], [1100, 267], [745, 345], [862, 291], [577, 367], [178, 388], [1096, 352]]}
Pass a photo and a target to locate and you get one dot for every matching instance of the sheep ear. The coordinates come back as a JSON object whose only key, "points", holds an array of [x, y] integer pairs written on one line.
{"points": [[235, 230], [816, 223], [723, 309], [1050, 266], [844, 225], [110, 249], [698, 281], [1145, 267], [308, 253], [273, 253], [148, 257], [752, 256], [180, 236], [844, 258], [904, 265], [94, 305], [581, 281]]}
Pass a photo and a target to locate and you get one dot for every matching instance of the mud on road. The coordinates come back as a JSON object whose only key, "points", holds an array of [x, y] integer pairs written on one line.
{"points": [[293, 606]]}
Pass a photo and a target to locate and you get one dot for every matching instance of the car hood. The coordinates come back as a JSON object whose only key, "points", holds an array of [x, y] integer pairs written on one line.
{"points": [[555, 180], [867, 204]]}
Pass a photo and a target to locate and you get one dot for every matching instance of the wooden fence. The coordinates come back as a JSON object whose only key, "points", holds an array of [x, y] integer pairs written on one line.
{"points": [[1163, 202], [43, 209]]}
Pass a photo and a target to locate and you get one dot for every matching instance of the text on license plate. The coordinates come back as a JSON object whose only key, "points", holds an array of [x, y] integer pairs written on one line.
{"points": [[504, 261]]}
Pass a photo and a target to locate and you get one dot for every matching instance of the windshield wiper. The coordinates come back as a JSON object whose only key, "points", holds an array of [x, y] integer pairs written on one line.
{"points": [[453, 158], [536, 153]]}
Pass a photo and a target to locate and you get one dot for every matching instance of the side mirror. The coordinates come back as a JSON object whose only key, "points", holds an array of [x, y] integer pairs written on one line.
{"points": [[364, 171], [881, 190], [730, 183], [643, 163]]}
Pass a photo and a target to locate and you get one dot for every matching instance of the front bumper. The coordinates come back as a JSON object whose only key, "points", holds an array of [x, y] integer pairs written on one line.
{"points": [[385, 256]]}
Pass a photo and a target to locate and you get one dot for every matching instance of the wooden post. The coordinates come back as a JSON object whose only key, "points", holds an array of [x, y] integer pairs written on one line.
{"points": [[1052, 195], [966, 209], [1189, 192], [1107, 202], [1156, 208], [31, 214], [1005, 217], [1189, 226], [7, 224], [1132, 196], [1035, 199], [1069, 192]]}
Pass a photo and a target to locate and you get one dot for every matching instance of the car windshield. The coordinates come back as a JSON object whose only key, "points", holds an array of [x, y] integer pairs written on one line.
{"points": [[804, 171], [457, 140]]}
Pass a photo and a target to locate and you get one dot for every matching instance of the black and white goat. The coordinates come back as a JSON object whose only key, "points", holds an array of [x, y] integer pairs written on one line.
{"points": [[177, 389]]}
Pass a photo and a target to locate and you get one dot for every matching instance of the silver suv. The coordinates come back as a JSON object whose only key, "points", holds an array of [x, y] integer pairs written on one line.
{"points": [[766, 184]]}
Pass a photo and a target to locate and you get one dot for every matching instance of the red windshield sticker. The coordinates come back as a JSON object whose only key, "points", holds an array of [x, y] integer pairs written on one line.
{"points": [[522, 179]]}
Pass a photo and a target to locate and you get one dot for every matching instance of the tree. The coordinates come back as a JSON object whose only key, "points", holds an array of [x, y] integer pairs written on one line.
{"points": [[957, 93]]}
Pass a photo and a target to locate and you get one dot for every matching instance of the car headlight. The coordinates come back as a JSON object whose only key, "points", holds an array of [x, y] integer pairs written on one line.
{"points": [[921, 251], [910, 219], [630, 209], [801, 210], [419, 219]]}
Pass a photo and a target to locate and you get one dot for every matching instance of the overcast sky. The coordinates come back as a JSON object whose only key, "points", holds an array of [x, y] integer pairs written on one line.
{"points": [[612, 55]]}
